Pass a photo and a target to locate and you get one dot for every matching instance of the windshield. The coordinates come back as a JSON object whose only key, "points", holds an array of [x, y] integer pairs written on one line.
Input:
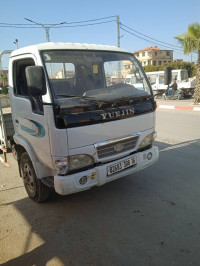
{"points": [[77, 76], [184, 74], [174, 75], [152, 78], [161, 79]]}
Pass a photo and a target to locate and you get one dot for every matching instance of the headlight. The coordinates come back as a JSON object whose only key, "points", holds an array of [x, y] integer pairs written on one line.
{"points": [[80, 161], [73, 162], [148, 140], [61, 165]]}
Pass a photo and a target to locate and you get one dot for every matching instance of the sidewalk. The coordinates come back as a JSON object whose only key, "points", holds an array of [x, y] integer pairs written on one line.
{"points": [[184, 104]]}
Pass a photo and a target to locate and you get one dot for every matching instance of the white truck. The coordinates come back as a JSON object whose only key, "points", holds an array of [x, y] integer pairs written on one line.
{"points": [[72, 131], [185, 84]]}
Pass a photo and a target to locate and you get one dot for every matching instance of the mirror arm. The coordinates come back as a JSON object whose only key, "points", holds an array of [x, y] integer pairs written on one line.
{"points": [[57, 106]]}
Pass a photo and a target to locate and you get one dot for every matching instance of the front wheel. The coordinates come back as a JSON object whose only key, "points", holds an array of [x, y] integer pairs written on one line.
{"points": [[36, 190], [179, 96]]}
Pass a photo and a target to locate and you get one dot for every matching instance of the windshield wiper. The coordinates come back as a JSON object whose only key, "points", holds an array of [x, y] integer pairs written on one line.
{"points": [[128, 99], [84, 101], [132, 99], [67, 95], [86, 98], [94, 100]]}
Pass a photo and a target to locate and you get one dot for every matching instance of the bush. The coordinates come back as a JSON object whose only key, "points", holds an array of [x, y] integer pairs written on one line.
{"points": [[4, 90], [174, 65]]}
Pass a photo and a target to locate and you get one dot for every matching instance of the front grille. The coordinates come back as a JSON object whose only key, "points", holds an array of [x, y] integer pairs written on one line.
{"points": [[115, 147]]}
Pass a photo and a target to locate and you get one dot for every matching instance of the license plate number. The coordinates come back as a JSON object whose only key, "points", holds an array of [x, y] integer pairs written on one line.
{"points": [[112, 169]]}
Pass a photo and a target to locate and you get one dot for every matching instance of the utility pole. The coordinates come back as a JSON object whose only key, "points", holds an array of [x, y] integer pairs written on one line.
{"points": [[46, 28], [118, 31], [118, 44]]}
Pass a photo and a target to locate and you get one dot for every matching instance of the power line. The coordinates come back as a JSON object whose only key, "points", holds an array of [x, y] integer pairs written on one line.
{"points": [[89, 24], [179, 51], [23, 25], [149, 40], [99, 21], [57, 27], [176, 46], [155, 41], [19, 27], [75, 22]]}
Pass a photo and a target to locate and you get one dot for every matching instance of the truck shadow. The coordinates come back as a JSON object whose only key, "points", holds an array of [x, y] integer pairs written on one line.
{"points": [[109, 225]]}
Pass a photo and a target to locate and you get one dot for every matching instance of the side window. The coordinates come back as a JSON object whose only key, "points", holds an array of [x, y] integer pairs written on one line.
{"points": [[62, 77], [20, 83], [161, 79], [61, 70]]}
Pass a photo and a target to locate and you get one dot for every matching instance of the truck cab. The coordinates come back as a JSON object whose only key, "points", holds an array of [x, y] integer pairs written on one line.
{"points": [[73, 129]]}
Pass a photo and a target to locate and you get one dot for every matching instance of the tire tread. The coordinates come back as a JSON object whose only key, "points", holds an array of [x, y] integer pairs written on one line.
{"points": [[42, 192]]}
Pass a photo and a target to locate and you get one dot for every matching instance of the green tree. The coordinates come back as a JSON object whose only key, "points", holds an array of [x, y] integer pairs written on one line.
{"points": [[190, 42], [174, 65], [4, 80]]}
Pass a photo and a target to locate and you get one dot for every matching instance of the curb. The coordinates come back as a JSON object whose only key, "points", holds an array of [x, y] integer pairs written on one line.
{"points": [[173, 107]]}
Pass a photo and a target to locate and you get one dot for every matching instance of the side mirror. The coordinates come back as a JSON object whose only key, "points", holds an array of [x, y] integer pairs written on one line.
{"points": [[36, 80], [137, 75], [167, 75]]}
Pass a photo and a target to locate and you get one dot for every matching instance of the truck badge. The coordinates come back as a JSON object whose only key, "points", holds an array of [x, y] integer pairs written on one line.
{"points": [[118, 147], [120, 113]]}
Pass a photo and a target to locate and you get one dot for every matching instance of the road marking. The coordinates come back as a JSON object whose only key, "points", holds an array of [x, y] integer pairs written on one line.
{"points": [[196, 109], [184, 108], [166, 106], [172, 107]]}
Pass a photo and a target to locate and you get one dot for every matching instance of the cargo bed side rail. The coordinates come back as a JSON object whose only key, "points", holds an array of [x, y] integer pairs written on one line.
{"points": [[6, 128]]}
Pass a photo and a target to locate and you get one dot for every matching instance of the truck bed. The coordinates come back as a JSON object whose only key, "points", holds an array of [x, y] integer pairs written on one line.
{"points": [[6, 123]]}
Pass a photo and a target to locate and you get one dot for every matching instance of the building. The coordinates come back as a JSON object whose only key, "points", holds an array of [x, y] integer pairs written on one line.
{"points": [[178, 60], [149, 56], [64, 75], [154, 56]]}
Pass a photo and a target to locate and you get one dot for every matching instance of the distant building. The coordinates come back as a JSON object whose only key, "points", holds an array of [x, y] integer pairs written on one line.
{"points": [[154, 56], [61, 75], [178, 60], [149, 56]]}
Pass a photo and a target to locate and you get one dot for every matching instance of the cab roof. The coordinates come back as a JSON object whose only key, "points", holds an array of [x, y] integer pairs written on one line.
{"points": [[66, 46]]}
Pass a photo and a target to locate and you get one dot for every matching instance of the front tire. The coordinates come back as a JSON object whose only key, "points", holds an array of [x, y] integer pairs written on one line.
{"points": [[36, 190], [179, 96]]}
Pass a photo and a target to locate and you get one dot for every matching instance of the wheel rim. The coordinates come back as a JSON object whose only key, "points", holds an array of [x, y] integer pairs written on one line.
{"points": [[28, 179]]}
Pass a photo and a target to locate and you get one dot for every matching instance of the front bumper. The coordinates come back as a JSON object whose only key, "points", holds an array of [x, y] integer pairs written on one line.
{"points": [[98, 175]]}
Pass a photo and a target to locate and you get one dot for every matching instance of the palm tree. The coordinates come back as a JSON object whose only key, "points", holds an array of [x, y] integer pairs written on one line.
{"points": [[190, 42]]}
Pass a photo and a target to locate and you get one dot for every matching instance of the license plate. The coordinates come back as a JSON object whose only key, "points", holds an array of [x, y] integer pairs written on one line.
{"points": [[112, 169]]}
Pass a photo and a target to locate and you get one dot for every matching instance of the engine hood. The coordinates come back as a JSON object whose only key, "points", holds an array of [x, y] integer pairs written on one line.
{"points": [[91, 134]]}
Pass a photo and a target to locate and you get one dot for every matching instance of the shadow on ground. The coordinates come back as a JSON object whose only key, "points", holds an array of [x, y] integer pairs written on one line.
{"points": [[150, 218]]}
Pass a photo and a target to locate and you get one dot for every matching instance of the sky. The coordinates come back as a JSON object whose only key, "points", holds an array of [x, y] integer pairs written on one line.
{"points": [[159, 20]]}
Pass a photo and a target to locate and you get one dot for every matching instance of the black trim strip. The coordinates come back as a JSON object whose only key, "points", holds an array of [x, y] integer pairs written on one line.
{"points": [[71, 120]]}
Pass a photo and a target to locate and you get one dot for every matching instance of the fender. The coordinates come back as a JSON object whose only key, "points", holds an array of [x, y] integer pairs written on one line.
{"points": [[40, 169]]}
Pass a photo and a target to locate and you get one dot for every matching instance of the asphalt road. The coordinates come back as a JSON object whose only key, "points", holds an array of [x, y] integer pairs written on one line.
{"points": [[151, 218]]}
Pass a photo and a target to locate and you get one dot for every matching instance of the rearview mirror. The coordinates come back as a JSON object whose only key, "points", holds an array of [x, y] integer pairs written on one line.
{"points": [[36, 80], [167, 75], [137, 75]]}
